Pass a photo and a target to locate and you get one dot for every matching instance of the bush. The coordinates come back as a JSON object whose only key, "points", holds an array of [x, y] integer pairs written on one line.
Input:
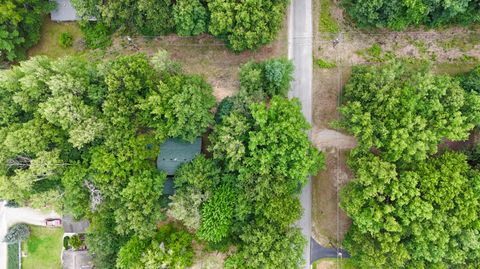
{"points": [[66, 241], [324, 64], [65, 40], [12, 203], [75, 241], [16, 233], [97, 35], [471, 80]]}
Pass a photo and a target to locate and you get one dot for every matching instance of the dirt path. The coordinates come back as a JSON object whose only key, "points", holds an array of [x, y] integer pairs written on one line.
{"points": [[327, 138]]}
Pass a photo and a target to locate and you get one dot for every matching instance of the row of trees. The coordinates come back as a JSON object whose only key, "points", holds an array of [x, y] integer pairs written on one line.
{"points": [[399, 14], [20, 23], [244, 25], [84, 137], [411, 208]]}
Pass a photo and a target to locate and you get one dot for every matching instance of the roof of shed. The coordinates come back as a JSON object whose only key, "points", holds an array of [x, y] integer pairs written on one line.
{"points": [[175, 152], [70, 225], [64, 11]]}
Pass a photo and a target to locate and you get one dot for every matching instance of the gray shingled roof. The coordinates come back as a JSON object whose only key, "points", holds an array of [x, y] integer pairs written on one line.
{"points": [[64, 11], [175, 152], [72, 226]]}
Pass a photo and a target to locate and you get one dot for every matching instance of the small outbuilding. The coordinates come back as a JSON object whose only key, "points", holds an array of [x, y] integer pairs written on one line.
{"points": [[64, 11], [173, 153]]}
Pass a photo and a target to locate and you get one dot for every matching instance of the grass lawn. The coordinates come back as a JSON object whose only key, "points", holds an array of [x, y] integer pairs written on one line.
{"points": [[333, 263], [49, 42], [43, 248]]}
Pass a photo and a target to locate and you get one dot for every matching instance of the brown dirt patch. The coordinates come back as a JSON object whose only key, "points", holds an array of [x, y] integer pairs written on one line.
{"points": [[329, 222]]}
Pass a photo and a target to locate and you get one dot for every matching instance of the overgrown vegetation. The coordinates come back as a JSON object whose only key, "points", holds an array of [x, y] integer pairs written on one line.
{"points": [[223, 199], [399, 15], [328, 24], [411, 206], [20, 26], [65, 40], [244, 25], [325, 64], [84, 136]]}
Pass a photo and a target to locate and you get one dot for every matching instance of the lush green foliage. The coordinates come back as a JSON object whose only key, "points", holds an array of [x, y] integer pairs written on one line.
{"points": [[261, 157], [75, 242], [424, 216], [169, 248], [84, 136], [399, 14], [20, 22], [191, 17], [66, 242], [244, 25], [270, 77], [16, 233], [471, 80], [403, 113], [65, 40], [96, 34]]}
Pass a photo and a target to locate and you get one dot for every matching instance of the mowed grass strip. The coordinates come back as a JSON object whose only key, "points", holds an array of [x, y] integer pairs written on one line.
{"points": [[43, 248]]}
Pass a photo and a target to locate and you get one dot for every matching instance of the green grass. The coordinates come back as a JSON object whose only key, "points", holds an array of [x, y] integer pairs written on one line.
{"points": [[328, 24], [49, 42], [325, 64], [13, 261], [335, 263], [463, 44], [43, 248]]}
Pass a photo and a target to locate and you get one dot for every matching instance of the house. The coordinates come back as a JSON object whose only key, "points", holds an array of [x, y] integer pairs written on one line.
{"points": [[64, 11], [173, 153]]}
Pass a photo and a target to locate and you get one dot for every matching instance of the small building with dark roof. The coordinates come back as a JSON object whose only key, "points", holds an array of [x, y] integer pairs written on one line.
{"points": [[64, 11], [173, 153], [71, 226]]}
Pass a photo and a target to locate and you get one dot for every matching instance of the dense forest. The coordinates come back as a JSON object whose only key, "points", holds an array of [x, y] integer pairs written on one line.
{"points": [[400, 14], [412, 205], [82, 137]]}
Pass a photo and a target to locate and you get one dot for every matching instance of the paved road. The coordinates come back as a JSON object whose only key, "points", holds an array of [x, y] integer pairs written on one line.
{"points": [[318, 252], [10, 216], [300, 51]]}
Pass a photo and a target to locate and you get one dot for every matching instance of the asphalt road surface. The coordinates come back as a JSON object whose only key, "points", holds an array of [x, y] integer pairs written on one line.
{"points": [[300, 51]]}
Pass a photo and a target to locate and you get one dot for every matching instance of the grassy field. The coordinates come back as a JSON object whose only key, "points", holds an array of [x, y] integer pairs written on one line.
{"points": [[49, 42], [13, 261], [327, 23], [333, 263], [43, 248]]}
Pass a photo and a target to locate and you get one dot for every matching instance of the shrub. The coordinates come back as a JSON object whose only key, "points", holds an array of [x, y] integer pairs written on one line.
{"points": [[66, 241], [324, 64], [471, 80], [97, 35], [16, 233], [76, 242], [65, 40]]}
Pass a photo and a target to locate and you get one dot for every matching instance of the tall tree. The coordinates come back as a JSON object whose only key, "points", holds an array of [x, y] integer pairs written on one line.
{"points": [[405, 113]]}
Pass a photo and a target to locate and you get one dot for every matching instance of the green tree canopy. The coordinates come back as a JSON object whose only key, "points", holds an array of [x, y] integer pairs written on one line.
{"points": [[399, 14], [425, 216], [20, 22], [404, 113]]}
